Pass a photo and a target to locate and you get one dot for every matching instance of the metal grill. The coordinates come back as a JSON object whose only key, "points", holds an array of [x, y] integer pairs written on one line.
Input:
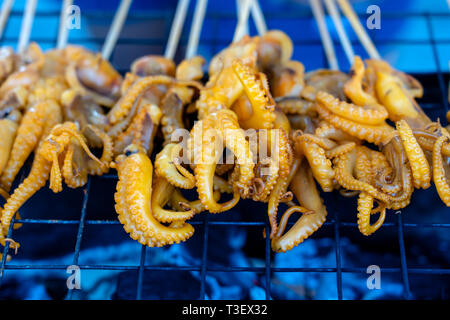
{"points": [[439, 105]]}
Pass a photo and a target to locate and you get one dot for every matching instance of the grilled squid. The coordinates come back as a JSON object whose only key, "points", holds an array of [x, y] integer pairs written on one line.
{"points": [[8, 130], [134, 202]]}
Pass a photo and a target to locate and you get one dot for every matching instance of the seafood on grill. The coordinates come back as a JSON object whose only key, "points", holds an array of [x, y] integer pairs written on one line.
{"points": [[136, 198], [259, 128], [46, 166]]}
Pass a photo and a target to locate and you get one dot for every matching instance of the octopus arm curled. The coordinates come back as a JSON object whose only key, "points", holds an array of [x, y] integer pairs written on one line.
{"points": [[373, 114], [167, 166], [161, 194], [36, 180], [439, 176], [133, 203], [221, 125], [304, 188], [123, 107], [419, 165], [30, 131], [371, 133], [8, 130]]}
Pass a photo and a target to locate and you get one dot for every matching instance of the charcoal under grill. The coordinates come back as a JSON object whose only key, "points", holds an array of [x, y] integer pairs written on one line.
{"points": [[434, 103]]}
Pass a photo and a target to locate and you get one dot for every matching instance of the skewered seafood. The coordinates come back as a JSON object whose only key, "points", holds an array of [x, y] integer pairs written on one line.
{"points": [[325, 127]]}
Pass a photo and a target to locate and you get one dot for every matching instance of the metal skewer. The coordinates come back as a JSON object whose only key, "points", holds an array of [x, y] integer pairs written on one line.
{"points": [[196, 28], [324, 35], [27, 23], [115, 29], [4, 14], [63, 33], [346, 45], [175, 31], [359, 29]]}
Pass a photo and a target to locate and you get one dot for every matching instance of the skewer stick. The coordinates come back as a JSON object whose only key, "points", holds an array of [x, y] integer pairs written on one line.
{"points": [[27, 23], [63, 30], [258, 17], [359, 29], [115, 29], [334, 13], [239, 4], [324, 35], [242, 20], [175, 31], [4, 14], [196, 29]]}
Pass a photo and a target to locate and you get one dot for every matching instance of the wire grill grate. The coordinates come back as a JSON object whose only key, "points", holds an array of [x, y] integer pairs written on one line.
{"points": [[333, 220]]}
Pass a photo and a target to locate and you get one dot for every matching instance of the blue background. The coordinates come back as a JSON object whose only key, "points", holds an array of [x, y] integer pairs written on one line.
{"points": [[404, 38]]}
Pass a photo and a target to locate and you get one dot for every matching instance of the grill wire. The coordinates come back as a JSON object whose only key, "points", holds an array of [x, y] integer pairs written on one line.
{"points": [[332, 220]]}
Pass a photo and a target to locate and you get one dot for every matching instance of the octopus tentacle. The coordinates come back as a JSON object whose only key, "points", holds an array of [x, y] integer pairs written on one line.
{"points": [[344, 167], [287, 214], [56, 143], [172, 111], [373, 114], [439, 176], [288, 79], [178, 202], [370, 133], [295, 105], [262, 110], [45, 164], [279, 193], [161, 194], [264, 183], [222, 185], [167, 166], [399, 103], [305, 191], [353, 88], [102, 166], [5, 195], [132, 198], [365, 204], [403, 197], [384, 176], [328, 131], [37, 120], [136, 90], [323, 143], [419, 165], [365, 201], [341, 149], [363, 169], [206, 154], [36, 180], [141, 131], [8, 130], [190, 69], [320, 165], [427, 140], [223, 168], [74, 176]]}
